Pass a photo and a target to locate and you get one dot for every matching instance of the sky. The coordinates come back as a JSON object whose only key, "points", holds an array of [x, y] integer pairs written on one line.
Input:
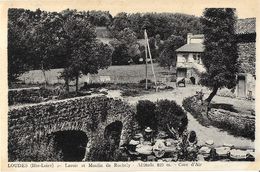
{"points": [[245, 8]]}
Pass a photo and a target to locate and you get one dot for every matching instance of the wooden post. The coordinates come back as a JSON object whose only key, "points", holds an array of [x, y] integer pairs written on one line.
{"points": [[149, 51], [146, 65]]}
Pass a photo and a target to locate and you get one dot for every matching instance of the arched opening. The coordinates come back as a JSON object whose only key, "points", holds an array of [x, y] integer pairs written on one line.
{"points": [[193, 80], [70, 145], [113, 133]]}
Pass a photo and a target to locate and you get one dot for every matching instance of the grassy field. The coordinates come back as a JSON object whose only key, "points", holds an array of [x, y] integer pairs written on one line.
{"points": [[113, 74]]}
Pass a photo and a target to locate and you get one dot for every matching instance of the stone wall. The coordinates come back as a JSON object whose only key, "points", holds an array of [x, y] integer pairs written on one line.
{"points": [[31, 124], [247, 57], [29, 95], [239, 121], [236, 123]]}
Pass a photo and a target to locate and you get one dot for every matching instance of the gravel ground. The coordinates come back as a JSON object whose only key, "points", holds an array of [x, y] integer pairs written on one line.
{"points": [[219, 136]]}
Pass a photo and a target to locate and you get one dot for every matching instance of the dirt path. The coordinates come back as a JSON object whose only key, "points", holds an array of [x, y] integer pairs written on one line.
{"points": [[204, 133]]}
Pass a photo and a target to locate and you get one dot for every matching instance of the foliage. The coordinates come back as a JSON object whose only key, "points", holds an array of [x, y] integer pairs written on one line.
{"points": [[168, 56], [163, 24], [160, 115], [17, 49], [99, 18], [170, 113], [220, 54], [84, 53], [226, 122], [145, 114], [125, 47], [130, 92], [120, 55]]}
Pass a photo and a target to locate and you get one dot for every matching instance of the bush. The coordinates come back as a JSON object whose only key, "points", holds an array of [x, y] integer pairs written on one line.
{"points": [[170, 113], [130, 92], [223, 106], [161, 114], [27, 96], [143, 81], [226, 121], [88, 86], [145, 114]]}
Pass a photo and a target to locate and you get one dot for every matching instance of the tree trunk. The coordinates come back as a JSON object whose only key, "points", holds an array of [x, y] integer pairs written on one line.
{"points": [[44, 75], [212, 94], [67, 84], [77, 84]]}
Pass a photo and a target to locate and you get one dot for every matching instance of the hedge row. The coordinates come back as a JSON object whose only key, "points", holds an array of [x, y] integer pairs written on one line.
{"points": [[30, 95], [235, 123]]}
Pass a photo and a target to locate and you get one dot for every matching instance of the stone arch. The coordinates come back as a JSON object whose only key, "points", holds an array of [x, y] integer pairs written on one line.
{"points": [[68, 145], [193, 80], [112, 133]]}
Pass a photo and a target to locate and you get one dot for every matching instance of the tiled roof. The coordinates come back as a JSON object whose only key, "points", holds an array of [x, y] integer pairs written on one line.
{"points": [[246, 25], [193, 47]]}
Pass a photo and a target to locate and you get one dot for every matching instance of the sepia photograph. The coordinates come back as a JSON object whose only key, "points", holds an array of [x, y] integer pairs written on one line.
{"points": [[103, 85]]}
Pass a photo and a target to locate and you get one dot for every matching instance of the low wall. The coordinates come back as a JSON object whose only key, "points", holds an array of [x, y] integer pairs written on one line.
{"points": [[238, 121], [235, 123], [29, 95], [29, 125]]}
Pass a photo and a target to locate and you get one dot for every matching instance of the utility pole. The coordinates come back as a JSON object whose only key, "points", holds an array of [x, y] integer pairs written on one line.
{"points": [[149, 51], [146, 65]]}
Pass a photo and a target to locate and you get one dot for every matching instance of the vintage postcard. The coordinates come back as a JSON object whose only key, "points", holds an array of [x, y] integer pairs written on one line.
{"points": [[135, 85]]}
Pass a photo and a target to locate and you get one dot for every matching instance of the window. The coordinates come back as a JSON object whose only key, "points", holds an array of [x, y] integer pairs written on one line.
{"points": [[194, 56], [185, 56]]}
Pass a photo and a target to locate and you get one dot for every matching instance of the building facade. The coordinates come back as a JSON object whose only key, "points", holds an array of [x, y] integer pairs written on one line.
{"points": [[189, 65]]}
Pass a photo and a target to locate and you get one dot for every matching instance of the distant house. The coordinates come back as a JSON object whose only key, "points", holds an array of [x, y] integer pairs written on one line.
{"points": [[189, 65]]}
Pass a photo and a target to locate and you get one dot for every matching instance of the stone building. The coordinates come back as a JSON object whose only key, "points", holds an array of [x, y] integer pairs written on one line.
{"points": [[246, 38], [189, 65]]}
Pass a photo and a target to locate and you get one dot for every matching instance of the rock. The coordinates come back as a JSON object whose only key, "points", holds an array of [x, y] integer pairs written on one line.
{"points": [[238, 154], [222, 151], [144, 149], [200, 157]]}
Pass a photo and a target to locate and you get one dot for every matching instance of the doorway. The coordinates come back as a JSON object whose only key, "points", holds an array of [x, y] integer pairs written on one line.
{"points": [[113, 133], [70, 144], [241, 91]]}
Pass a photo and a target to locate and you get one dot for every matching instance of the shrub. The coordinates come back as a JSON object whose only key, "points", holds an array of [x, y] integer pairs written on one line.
{"points": [[170, 113], [143, 81], [130, 92], [160, 114], [223, 106], [226, 121], [88, 86], [145, 114]]}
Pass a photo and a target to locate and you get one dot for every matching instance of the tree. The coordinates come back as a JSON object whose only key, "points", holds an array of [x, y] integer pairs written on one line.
{"points": [[168, 55], [17, 53], [43, 40], [120, 22], [220, 54], [125, 47], [84, 53]]}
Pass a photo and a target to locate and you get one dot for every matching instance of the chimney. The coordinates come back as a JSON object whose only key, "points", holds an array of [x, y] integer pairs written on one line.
{"points": [[189, 35]]}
